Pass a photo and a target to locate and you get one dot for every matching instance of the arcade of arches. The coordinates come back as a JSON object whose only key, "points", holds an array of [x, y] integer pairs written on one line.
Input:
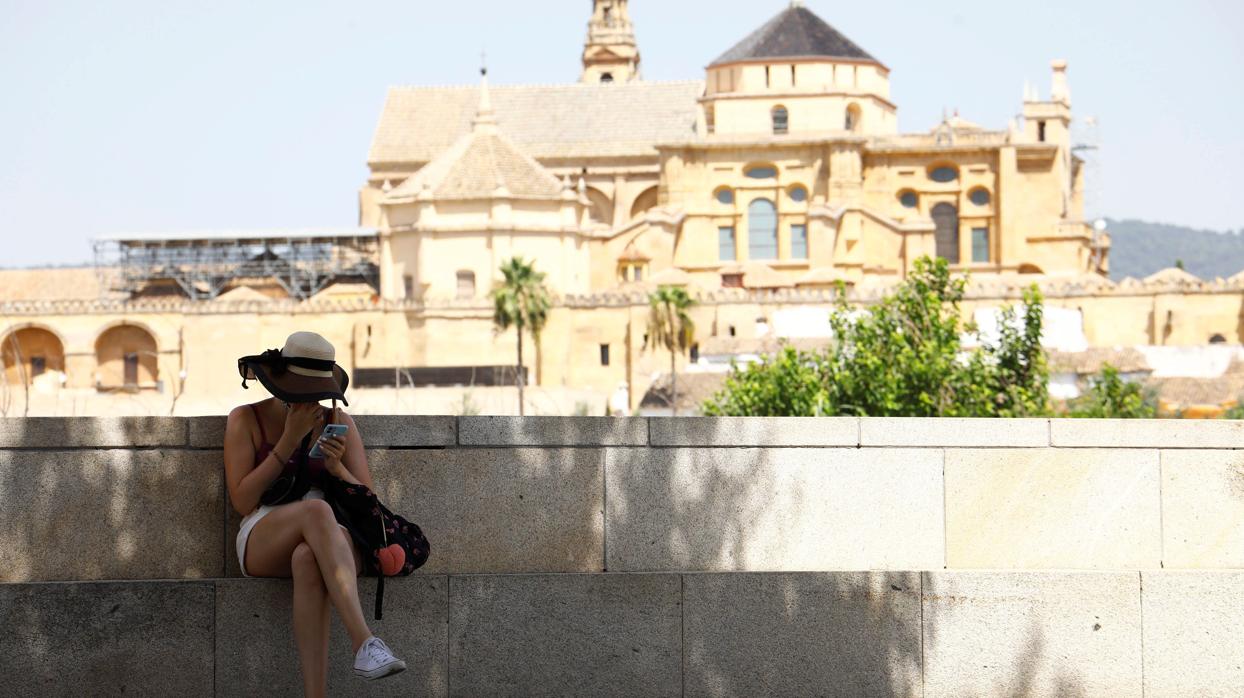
{"points": [[125, 357]]}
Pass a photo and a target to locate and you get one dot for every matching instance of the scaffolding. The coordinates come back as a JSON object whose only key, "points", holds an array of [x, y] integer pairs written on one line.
{"points": [[1086, 136], [203, 265]]}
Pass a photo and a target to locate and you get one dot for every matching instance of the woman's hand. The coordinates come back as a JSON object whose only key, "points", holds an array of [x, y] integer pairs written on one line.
{"points": [[334, 447], [301, 418]]}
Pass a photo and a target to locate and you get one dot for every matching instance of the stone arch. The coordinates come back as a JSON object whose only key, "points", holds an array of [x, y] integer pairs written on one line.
{"points": [[1030, 269], [126, 356], [30, 351], [600, 208], [647, 199]]}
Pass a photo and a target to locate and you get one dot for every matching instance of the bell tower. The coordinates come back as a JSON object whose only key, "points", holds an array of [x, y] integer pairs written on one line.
{"points": [[610, 53]]}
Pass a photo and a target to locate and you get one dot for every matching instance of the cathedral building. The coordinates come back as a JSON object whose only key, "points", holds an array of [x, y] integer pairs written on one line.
{"points": [[761, 186], [783, 168]]}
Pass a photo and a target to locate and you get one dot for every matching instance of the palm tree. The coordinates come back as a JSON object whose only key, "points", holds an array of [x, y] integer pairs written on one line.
{"points": [[523, 301], [669, 326]]}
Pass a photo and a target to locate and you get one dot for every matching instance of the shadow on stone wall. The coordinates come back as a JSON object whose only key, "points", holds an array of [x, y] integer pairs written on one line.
{"points": [[106, 513], [157, 513], [761, 633]]}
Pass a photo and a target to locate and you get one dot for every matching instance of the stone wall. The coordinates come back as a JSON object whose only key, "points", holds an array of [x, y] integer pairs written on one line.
{"points": [[707, 556]]}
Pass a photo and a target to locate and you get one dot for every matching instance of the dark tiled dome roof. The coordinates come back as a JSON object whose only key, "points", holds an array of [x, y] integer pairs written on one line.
{"points": [[795, 33]]}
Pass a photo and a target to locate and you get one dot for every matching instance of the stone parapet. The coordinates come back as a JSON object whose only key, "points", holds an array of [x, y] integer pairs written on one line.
{"points": [[145, 498], [896, 633]]}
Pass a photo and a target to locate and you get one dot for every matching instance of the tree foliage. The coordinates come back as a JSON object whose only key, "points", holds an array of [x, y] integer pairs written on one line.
{"points": [[1110, 396], [671, 327], [521, 300], [903, 356], [789, 383]]}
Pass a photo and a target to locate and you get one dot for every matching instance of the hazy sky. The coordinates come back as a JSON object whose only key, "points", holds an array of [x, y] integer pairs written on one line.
{"points": [[144, 116]]}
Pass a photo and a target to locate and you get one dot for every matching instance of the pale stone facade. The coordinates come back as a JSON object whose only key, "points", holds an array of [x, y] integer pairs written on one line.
{"points": [[788, 155], [759, 188]]}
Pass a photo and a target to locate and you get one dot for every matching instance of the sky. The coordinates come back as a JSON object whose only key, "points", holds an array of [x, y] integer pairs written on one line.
{"points": [[162, 116]]}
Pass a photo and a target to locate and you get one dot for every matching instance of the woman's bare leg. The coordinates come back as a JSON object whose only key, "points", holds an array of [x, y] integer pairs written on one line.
{"points": [[310, 620], [271, 545]]}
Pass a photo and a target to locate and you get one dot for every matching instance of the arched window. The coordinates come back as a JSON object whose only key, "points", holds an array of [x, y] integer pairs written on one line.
{"points": [[781, 120], [466, 284], [762, 230], [946, 218], [852, 120], [606, 77], [29, 353], [126, 357]]}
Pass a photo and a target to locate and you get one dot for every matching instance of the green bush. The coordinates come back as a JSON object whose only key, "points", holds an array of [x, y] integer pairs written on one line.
{"points": [[788, 383], [1109, 396], [902, 357]]}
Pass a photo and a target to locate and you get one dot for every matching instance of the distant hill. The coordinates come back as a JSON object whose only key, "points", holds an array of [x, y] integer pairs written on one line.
{"points": [[1138, 249]]}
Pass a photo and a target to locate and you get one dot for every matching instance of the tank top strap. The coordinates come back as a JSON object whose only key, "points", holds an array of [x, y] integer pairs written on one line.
{"points": [[263, 437]]}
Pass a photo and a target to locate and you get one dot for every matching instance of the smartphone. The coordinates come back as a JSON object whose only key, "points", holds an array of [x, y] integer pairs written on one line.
{"points": [[329, 430]]}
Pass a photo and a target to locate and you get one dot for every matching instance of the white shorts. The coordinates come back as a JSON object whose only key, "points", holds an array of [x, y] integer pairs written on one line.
{"points": [[249, 521]]}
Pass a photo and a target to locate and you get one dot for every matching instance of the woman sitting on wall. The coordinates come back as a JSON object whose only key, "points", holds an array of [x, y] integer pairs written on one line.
{"points": [[288, 529]]}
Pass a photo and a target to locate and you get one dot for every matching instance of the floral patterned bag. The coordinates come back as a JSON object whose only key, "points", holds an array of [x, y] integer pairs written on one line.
{"points": [[391, 545]]}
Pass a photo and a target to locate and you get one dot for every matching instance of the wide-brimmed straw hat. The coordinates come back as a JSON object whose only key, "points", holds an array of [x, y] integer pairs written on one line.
{"points": [[304, 370]]}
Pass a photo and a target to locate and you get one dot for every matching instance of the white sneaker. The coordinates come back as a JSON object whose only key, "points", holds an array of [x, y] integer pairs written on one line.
{"points": [[375, 660]]}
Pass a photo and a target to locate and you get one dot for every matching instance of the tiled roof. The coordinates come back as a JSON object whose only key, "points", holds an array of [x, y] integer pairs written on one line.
{"points": [[795, 33], [476, 166], [546, 121], [693, 389], [758, 275], [1172, 275], [1199, 391], [64, 283], [1091, 360]]}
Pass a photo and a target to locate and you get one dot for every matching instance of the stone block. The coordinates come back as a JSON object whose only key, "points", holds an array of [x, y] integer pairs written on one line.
{"points": [[754, 431], [92, 432], [106, 639], [1053, 508], [256, 655], [954, 432], [382, 431], [802, 634], [1032, 634], [1147, 433], [597, 635], [378, 431], [1194, 633], [1203, 509], [786, 509], [207, 432], [552, 431], [496, 510], [110, 514]]}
